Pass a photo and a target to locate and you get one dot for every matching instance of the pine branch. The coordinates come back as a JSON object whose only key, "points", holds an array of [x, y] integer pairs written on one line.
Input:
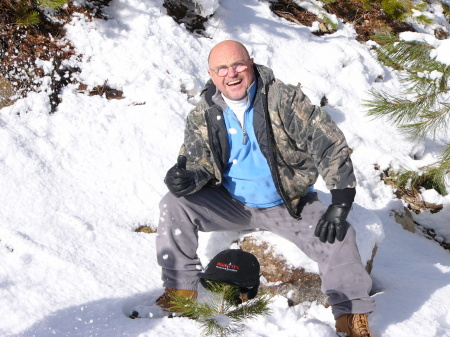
{"points": [[445, 80], [429, 123], [53, 4], [430, 177], [252, 308], [435, 81], [398, 110], [384, 38], [222, 314], [411, 55], [188, 307], [422, 107], [416, 118], [27, 18], [29, 12]]}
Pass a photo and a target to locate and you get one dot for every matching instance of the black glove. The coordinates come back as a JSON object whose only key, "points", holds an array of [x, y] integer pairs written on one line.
{"points": [[333, 224], [180, 181]]}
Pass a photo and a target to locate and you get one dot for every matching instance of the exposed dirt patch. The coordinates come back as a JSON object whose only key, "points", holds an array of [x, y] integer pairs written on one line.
{"points": [[21, 47], [367, 23], [289, 10], [102, 90], [186, 12], [145, 229]]}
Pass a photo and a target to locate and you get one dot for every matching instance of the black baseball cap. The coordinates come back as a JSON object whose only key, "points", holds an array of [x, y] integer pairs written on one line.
{"points": [[233, 266]]}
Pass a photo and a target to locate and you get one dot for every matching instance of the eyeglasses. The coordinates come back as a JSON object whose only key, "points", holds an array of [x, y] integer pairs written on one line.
{"points": [[237, 67]]}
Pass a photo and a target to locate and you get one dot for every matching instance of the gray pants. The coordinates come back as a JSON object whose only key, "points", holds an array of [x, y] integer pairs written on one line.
{"points": [[344, 279]]}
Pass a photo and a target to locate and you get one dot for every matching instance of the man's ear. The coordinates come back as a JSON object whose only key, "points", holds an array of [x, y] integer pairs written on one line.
{"points": [[209, 72]]}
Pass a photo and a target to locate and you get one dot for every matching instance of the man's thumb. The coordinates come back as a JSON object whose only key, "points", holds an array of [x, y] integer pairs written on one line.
{"points": [[181, 162]]}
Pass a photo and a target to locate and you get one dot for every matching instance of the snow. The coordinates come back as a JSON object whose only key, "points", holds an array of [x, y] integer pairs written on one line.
{"points": [[432, 196], [443, 52], [76, 184]]}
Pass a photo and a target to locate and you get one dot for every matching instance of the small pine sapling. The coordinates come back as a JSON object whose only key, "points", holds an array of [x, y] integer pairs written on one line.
{"points": [[422, 108], [224, 311], [28, 12]]}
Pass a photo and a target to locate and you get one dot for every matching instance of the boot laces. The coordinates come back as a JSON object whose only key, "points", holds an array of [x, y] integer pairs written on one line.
{"points": [[361, 325], [164, 299]]}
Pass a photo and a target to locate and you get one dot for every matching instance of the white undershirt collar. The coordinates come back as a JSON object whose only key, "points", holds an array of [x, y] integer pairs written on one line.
{"points": [[239, 107]]}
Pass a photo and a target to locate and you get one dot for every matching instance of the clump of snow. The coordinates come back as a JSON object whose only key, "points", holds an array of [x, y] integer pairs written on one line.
{"points": [[432, 196], [443, 52], [208, 7], [222, 320]]}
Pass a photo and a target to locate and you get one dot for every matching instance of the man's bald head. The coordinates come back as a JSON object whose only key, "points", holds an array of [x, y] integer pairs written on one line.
{"points": [[226, 45], [232, 61]]}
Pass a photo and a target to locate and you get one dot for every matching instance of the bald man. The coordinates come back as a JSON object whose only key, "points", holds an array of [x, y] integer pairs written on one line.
{"points": [[253, 149]]}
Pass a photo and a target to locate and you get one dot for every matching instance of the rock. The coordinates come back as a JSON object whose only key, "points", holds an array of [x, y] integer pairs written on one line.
{"points": [[6, 91], [405, 219], [186, 12], [296, 284], [440, 34]]}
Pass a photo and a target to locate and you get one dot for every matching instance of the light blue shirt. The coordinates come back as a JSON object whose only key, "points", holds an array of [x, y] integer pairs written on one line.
{"points": [[247, 174]]}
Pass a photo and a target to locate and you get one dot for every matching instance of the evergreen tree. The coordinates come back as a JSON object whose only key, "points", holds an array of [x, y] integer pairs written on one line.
{"points": [[422, 108], [225, 311]]}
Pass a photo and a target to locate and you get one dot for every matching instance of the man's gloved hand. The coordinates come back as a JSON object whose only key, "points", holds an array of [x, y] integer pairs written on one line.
{"points": [[333, 223], [180, 181]]}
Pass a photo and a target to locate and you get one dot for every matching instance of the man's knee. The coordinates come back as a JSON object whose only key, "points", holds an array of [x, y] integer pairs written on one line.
{"points": [[169, 207], [170, 203]]}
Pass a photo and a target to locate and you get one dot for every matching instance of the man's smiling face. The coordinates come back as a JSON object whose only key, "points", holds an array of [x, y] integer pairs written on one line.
{"points": [[228, 54]]}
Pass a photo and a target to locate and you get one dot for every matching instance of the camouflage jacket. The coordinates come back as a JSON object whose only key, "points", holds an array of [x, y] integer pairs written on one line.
{"points": [[299, 140]]}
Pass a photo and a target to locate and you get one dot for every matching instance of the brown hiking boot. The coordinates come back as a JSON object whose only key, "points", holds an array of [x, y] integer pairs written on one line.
{"points": [[353, 325], [164, 300]]}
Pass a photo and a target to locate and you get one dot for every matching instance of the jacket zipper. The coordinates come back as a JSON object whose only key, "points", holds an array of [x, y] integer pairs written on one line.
{"points": [[244, 134]]}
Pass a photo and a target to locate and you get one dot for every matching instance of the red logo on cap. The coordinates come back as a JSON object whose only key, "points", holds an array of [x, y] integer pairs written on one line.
{"points": [[228, 266]]}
